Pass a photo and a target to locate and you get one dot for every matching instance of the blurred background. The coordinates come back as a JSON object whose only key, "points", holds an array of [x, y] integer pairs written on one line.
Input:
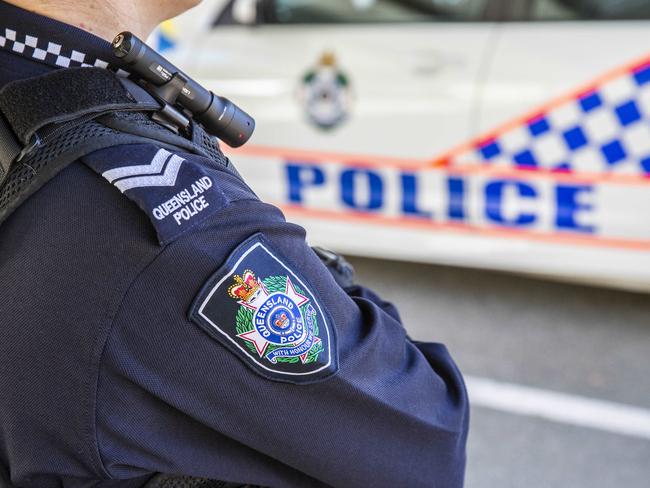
{"points": [[485, 165]]}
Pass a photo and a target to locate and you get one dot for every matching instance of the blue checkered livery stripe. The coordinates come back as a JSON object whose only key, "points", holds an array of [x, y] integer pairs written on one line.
{"points": [[604, 130]]}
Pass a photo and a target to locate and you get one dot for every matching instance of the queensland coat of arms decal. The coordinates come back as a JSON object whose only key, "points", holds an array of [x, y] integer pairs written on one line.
{"points": [[326, 93], [263, 311]]}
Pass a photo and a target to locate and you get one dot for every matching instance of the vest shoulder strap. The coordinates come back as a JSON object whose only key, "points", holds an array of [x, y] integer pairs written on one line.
{"points": [[49, 122], [69, 94]]}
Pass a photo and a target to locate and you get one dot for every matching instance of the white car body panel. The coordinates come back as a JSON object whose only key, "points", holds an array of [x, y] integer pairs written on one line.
{"points": [[398, 95]]}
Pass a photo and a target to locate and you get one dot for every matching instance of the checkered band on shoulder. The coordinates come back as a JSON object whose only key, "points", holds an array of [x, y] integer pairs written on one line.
{"points": [[603, 130], [50, 53]]}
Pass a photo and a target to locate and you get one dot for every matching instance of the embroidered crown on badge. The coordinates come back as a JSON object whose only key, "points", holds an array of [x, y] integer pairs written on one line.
{"points": [[244, 288]]}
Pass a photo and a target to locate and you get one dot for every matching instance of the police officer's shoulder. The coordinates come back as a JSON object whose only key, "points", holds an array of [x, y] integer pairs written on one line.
{"points": [[232, 255]]}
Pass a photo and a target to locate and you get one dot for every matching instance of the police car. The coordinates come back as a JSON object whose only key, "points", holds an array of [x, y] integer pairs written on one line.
{"points": [[510, 135]]}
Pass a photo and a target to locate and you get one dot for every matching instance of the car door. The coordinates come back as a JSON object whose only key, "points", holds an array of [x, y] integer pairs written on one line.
{"points": [[376, 77], [567, 101]]}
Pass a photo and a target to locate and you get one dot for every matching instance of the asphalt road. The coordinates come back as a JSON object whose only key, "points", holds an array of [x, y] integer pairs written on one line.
{"points": [[593, 344]]}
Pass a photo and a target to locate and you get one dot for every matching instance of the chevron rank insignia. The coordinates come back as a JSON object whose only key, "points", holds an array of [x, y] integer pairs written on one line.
{"points": [[175, 193], [264, 312]]}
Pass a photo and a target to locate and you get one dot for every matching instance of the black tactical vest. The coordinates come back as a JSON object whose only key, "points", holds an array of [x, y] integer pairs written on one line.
{"points": [[94, 110]]}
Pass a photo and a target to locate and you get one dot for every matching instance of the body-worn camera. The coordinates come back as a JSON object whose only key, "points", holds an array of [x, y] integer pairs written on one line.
{"points": [[182, 97]]}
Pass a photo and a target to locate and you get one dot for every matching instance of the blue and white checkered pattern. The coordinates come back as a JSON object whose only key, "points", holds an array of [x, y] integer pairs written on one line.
{"points": [[604, 130], [50, 53]]}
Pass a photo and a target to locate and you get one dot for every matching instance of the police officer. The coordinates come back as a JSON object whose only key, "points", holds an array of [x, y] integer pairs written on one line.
{"points": [[156, 317]]}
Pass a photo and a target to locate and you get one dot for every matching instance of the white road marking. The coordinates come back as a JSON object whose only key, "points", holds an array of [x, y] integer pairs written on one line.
{"points": [[559, 407]]}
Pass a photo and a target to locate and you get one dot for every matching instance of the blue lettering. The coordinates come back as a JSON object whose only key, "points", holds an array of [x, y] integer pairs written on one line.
{"points": [[410, 197], [568, 206], [494, 202], [301, 176], [456, 209], [349, 189]]}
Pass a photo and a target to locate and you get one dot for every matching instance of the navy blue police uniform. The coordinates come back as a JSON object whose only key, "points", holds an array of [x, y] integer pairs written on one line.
{"points": [[157, 317]]}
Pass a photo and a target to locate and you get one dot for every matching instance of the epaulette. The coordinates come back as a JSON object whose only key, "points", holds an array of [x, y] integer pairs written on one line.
{"points": [[177, 191]]}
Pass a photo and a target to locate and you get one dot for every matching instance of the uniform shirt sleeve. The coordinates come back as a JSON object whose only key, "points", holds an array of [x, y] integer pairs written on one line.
{"points": [[173, 399], [361, 292]]}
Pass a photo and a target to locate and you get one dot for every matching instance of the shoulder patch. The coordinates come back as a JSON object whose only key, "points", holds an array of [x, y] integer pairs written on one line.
{"points": [[261, 309], [176, 194]]}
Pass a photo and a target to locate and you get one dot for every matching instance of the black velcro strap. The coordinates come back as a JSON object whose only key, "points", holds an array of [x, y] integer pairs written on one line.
{"points": [[10, 148], [64, 95], [139, 94], [164, 481]]}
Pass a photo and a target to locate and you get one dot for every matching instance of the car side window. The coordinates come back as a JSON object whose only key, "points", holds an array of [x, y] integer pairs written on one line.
{"points": [[589, 10], [288, 12]]}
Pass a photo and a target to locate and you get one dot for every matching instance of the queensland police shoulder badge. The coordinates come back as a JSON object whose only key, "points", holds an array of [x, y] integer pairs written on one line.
{"points": [[261, 310]]}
